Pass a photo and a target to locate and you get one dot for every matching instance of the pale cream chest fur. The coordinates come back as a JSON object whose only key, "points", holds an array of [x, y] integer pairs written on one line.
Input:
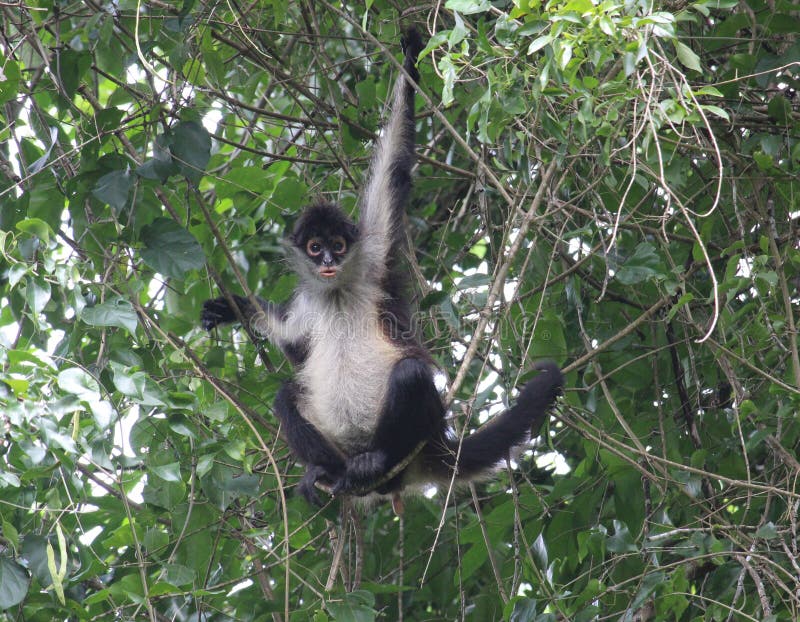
{"points": [[346, 375]]}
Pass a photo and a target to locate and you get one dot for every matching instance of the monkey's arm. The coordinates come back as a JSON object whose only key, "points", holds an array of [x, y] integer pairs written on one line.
{"points": [[412, 413], [322, 460], [265, 319], [389, 180]]}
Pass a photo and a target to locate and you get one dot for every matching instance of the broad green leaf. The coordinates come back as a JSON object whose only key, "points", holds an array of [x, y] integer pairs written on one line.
{"points": [[190, 145], [538, 43], [170, 249], [40, 163], [780, 109], [9, 479], [641, 266], [164, 494], [14, 583], [523, 609], [157, 169], [622, 541], [137, 385], [9, 79], [114, 312], [113, 188], [468, 7], [38, 294], [79, 382], [448, 70], [717, 111], [11, 534], [36, 227], [768, 531], [687, 57], [353, 607], [177, 574], [168, 472]]}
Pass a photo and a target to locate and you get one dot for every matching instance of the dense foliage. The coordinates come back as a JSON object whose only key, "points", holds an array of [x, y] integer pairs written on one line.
{"points": [[609, 184]]}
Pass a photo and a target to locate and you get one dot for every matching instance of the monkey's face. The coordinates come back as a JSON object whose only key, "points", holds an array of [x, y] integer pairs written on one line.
{"points": [[326, 252], [323, 240]]}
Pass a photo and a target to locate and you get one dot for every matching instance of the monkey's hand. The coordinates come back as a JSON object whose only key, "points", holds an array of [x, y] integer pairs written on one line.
{"points": [[362, 471], [218, 311], [315, 473]]}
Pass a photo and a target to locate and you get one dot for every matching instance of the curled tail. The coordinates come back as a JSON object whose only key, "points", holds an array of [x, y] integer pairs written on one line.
{"points": [[483, 450]]}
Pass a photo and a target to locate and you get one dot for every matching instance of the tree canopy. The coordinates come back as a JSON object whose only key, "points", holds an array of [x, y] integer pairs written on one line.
{"points": [[610, 184]]}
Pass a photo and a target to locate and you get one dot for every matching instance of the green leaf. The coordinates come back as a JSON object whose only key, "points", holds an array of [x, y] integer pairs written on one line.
{"points": [[164, 494], [170, 249], [178, 574], [11, 534], [523, 609], [353, 607], [79, 382], [190, 145], [651, 582], [622, 541], [114, 312], [113, 188], [36, 227], [9, 479], [448, 70], [780, 110], [539, 552], [14, 583], [538, 43], [37, 294], [687, 57], [458, 33], [157, 169], [682, 302], [168, 472], [717, 111], [290, 194], [40, 163], [641, 266], [468, 7], [137, 385], [9, 79], [768, 531]]}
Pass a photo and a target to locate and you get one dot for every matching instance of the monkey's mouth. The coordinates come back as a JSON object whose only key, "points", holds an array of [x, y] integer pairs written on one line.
{"points": [[327, 273]]}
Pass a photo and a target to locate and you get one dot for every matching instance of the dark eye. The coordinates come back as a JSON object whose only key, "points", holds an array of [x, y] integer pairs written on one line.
{"points": [[339, 246], [313, 248]]}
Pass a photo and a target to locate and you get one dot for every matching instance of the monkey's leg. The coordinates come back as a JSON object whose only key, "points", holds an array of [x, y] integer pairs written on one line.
{"points": [[412, 413], [322, 460]]}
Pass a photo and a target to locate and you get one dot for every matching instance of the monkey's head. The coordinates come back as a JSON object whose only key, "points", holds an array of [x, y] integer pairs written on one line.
{"points": [[323, 239]]}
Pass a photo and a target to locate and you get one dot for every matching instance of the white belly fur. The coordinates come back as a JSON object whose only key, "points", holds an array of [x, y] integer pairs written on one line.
{"points": [[345, 378]]}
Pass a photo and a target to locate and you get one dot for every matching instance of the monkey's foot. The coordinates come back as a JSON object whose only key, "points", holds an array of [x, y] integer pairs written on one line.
{"points": [[361, 473], [316, 477]]}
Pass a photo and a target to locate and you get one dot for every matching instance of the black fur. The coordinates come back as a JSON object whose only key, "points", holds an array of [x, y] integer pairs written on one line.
{"points": [[218, 311], [321, 220], [489, 445], [324, 462], [296, 351]]}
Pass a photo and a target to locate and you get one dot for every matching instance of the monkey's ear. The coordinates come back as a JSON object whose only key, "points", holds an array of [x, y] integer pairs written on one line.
{"points": [[291, 230], [353, 232]]}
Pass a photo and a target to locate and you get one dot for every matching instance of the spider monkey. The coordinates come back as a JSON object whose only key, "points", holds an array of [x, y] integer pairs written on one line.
{"points": [[362, 411]]}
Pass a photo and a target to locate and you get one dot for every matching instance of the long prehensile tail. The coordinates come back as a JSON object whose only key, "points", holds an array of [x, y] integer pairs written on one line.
{"points": [[480, 452]]}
